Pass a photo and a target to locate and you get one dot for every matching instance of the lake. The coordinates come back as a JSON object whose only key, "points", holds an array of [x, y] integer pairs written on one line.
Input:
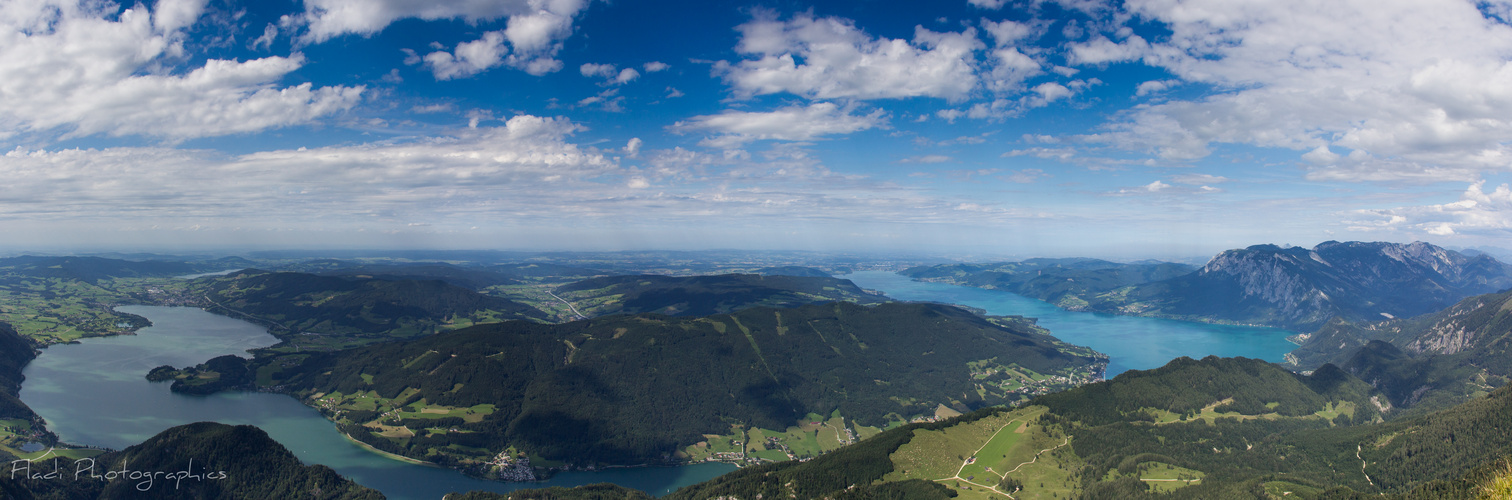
{"points": [[1133, 343], [95, 393]]}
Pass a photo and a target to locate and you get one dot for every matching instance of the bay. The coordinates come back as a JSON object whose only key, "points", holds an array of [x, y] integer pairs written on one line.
{"points": [[1132, 342], [95, 393]]}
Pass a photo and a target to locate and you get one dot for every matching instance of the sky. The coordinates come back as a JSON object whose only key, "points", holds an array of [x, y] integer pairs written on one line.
{"points": [[1142, 128]]}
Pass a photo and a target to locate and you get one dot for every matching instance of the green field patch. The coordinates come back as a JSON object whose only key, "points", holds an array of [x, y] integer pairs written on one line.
{"points": [[992, 459], [1163, 477], [1333, 409], [1045, 464], [771, 455], [939, 454]]}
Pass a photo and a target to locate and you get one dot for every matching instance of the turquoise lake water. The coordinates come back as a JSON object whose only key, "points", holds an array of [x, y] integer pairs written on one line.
{"points": [[1132, 342], [95, 393]]}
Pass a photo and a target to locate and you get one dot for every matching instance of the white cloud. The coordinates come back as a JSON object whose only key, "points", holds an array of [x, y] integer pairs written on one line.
{"points": [[987, 4], [1101, 50], [1027, 176], [792, 123], [469, 170], [1009, 70], [1476, 213], [173, 15], [655, 66], [626, 75], [326, 19], [632, 148], [927, 159], [82, 70], [470, 58], [1198, 179], [1155, 86], [599, 70], [270, 33], [609, 73], [1416, 88], [1062, 154], [1040, 96], [838, 60], [533, 32], [1007, 33]]}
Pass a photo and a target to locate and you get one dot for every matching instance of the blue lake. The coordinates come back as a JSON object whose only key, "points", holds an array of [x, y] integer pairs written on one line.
{"points": [[95, 393], [1133, 343]]}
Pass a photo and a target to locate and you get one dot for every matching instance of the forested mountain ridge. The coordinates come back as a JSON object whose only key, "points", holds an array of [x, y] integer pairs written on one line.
{"points": [[1071, 283], [94, 269], [638, 389], [705, 295], [201, 460], [1086, 443], [323, 312]]}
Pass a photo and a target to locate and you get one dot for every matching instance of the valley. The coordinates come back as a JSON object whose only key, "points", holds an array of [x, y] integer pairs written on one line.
{"points": [[418, 365]]}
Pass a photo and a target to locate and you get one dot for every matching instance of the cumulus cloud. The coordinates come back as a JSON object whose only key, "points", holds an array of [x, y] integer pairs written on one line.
{"points": [[1403, 89], [987, 4], [1154, 86], [830, 58], [610, 74], [1476, 212], [532, 36], [655, 66], [791, 123], [81, 69], [1040, 96]]}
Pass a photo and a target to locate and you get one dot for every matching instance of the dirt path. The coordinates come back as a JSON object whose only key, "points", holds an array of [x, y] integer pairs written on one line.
{"points": [[993, 488], [1037, 455], [1362, 466]]}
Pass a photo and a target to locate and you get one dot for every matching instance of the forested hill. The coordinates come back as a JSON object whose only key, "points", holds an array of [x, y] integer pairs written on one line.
{"points": [[326, 311], [94, 269], [1069, 283], [470, 278], [1186, 386], [1089, 444], [1438, 359], [638, 389], [705, 295], [215, 460], [15, 353]]}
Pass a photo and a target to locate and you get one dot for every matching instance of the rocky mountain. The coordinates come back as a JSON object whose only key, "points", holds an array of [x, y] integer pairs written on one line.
{"points": [[1434, 360], [1299, 288]]}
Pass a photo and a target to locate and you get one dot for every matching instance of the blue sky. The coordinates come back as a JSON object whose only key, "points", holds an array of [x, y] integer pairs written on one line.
{"points": [[1151, 128]]}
